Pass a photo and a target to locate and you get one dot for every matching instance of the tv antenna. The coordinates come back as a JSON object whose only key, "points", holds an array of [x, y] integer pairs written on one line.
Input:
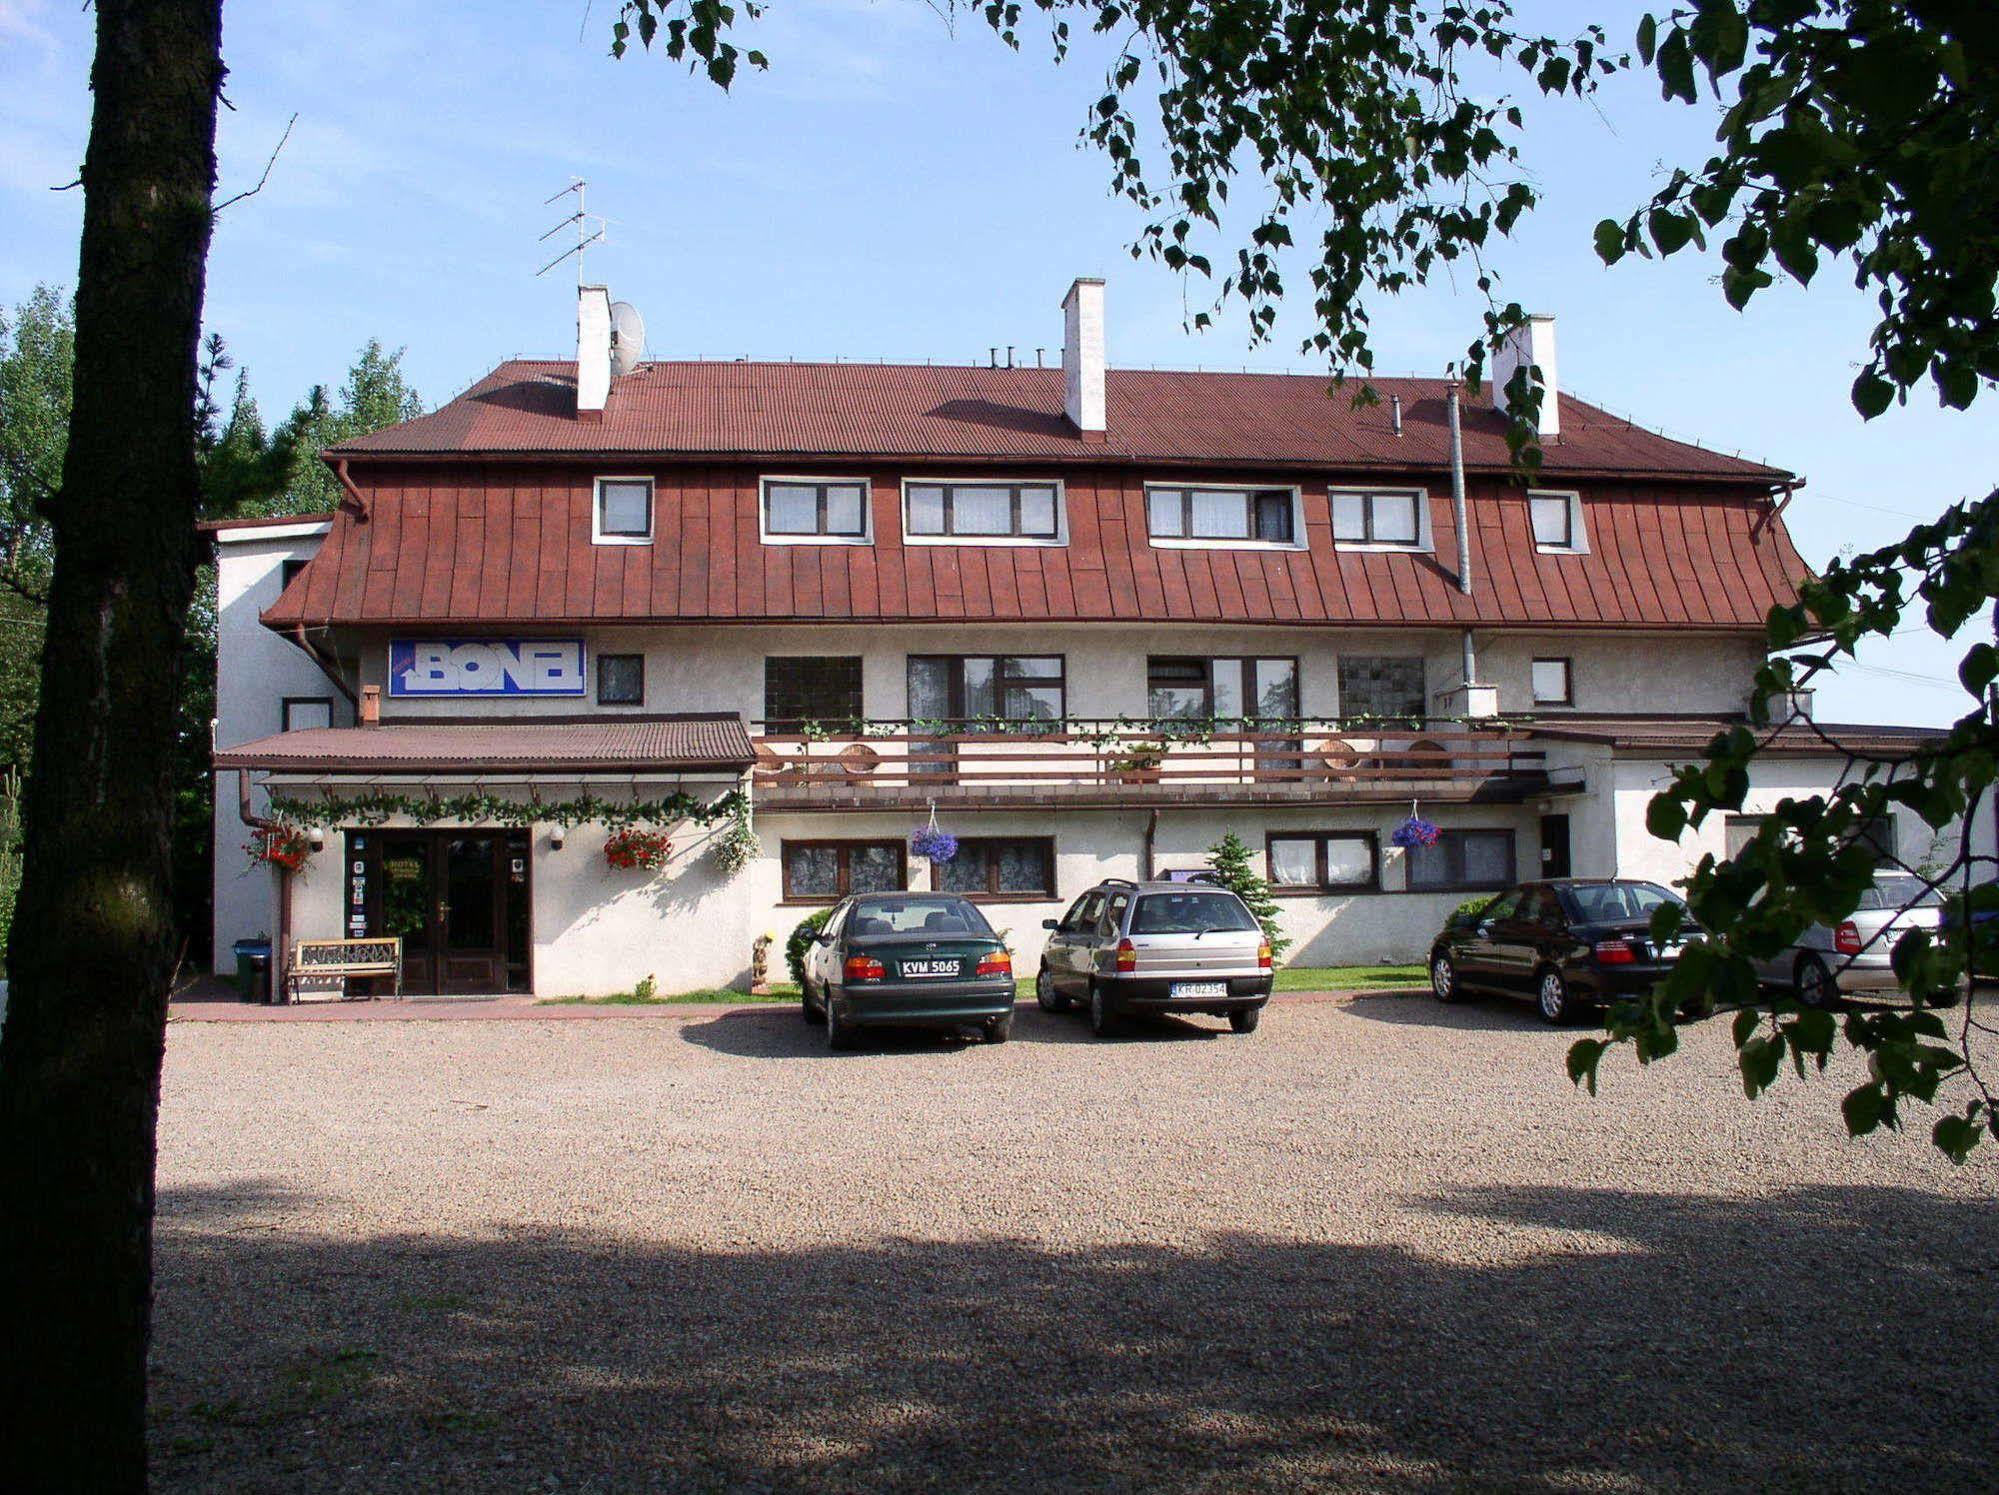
{"points": [[590, 228]]}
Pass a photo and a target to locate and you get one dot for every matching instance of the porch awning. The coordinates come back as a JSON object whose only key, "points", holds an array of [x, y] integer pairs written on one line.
{"points": [[626, 744]]}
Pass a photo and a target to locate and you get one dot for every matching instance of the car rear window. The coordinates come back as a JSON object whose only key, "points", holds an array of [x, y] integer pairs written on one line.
{"points": [[1600, 903], [1899, 890], [1189, 913], [918, 916]]}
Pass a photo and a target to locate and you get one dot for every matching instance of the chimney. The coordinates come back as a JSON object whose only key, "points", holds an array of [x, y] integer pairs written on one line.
{"points": [[593, 351], [1532, 345], [371, 705], [1083, 358]]}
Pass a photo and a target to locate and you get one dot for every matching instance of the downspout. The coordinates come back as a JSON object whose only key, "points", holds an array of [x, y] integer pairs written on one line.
{"points": [[353, 500], [1151, 838], [1460, 518], [273, 972], [326, 665]]}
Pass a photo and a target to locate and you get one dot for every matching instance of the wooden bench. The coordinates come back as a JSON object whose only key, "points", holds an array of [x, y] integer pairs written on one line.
{"points": [[337, 960]]}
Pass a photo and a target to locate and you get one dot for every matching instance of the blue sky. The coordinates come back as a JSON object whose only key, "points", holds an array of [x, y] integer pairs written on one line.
{"points": [[899, 188]]}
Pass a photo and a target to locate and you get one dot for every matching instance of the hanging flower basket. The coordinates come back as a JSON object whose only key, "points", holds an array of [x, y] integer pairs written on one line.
{"points": [[279, 846], [1414, 832], [935, 846], [632, 849]]}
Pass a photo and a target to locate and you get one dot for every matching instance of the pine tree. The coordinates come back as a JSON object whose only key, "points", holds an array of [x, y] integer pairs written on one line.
{"points": [[1228, 861]]}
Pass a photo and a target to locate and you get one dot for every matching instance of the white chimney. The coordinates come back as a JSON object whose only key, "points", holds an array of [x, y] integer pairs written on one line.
{"points": [[1533, 346], [1083, 357], [593, 351]]}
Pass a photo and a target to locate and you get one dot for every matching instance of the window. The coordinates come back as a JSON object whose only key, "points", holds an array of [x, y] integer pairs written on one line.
{"points": [[1022, 867], [1322, 861], [1382, 685], [1084, 913], [1557, 520], [1462, 860], [1190, 913], [1554, 682], [621, 679], [982, 512], [288, 572], [296, 713], [1195, 689], [1194, 516], [803, 688], [960, 688], [816, 510], [623, 512], [826, 871], [1378, 517]]}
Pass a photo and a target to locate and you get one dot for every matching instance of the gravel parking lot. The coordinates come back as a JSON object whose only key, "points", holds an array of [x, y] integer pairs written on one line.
{"points": [[1379, 1244]]}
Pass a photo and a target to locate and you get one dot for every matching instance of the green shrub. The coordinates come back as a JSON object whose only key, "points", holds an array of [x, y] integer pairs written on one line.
{"points": [[801, 941], [1231, 868]]}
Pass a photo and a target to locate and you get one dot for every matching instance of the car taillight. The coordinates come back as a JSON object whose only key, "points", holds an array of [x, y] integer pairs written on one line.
{"points": [[865, 968], [1127, 956], [1846, 938], [1615, 953], [996, 963], [1263, 956]]}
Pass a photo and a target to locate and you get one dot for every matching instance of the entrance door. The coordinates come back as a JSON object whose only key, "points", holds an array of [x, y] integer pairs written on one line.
{"points": [[458, 901], [1554, 846]]}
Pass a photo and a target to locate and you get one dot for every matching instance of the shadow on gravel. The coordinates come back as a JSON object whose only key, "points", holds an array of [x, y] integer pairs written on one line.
{"points": [[1467, 1014], [1831, 1338], [780, 1033]]}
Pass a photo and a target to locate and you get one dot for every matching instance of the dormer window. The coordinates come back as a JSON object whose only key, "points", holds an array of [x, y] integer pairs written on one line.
{"points": [[1223, 517], [982, 513], [1380, 518], [816, 511], [1558, 522], [622, 513]]}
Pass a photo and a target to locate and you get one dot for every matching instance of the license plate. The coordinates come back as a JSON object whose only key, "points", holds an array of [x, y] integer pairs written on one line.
{"points": [[1200, 989], [1670, 949], [930, 968]]}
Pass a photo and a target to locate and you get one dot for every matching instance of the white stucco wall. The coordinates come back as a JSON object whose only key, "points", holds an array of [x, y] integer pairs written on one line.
{"points": [[255, 670], [715, 667]]}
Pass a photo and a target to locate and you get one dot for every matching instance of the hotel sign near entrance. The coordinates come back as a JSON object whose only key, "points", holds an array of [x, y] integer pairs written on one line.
{"points": [[486, 667]]}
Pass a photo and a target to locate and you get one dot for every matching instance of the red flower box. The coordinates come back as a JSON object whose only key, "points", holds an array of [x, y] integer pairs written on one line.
{"points": [[632, 849]]}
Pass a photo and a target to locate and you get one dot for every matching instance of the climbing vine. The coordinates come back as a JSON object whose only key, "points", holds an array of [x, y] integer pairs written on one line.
{"points": [[478, 807]]}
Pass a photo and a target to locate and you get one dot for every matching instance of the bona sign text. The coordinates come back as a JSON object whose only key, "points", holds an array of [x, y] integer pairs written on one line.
{"points": [[486, 667]]}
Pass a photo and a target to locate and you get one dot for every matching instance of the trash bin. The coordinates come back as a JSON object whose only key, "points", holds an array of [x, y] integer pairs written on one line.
{"points": [[253, 970]]}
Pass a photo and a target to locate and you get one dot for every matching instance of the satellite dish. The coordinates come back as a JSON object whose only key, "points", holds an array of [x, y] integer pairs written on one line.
{"points": [[628, 338]]}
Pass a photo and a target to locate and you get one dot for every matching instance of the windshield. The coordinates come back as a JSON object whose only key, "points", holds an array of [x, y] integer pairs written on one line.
{"points": [[1899, 890], [1189, 913], [918, 916], [1606, 902]]}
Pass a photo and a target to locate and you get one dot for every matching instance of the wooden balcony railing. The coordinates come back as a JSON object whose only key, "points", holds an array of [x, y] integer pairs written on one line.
{"points": [[1295, 758]]}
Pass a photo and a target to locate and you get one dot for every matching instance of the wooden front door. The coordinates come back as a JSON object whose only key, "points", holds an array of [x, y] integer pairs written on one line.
{"points": [[458, 900]]}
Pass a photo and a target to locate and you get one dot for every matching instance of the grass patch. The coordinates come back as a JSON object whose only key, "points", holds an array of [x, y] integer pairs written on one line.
{"points": [[704, 994], [1351, 978]]}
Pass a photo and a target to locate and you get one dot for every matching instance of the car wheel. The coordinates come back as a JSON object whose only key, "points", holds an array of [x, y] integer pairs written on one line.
{"points": [[1050, 999], [1103, 1021], [1551, 997], [1814, 984], [1245, 1019], [1443, 979], [999, 1029], [811, 1011], [839, 1032]]}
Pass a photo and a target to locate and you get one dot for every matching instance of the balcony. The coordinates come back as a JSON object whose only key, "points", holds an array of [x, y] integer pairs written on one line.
{"points": [[1080, 763]]}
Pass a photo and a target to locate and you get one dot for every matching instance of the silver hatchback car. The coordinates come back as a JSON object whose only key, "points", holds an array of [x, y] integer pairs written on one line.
{"points": [[1855, 956], [1135, 947]]}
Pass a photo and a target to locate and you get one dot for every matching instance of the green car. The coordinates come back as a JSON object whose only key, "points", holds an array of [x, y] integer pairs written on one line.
{"points": [[907, 960]]}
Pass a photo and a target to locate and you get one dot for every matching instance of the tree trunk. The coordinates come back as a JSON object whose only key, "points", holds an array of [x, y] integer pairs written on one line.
{"points": [[92, 946]]}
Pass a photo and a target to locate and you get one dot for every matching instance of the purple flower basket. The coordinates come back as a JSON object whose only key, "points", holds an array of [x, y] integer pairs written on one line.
{"points": [[1414, 832], [933, 845]]}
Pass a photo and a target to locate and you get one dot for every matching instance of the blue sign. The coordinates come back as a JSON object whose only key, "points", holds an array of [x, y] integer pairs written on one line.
{"points": [[486, 667]]}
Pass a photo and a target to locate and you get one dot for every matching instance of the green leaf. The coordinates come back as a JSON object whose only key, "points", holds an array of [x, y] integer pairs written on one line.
{"points": [[1665, 817], [1648, 39], [1871, 394], [1610, 241]]}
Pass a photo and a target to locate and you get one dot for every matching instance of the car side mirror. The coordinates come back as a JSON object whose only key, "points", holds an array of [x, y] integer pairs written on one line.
{"points": [[1051, 923]]}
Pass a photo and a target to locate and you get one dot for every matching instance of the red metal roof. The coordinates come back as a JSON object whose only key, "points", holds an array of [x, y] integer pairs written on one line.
{"points": [[615, 744], [503, 543], [936, 411]]}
